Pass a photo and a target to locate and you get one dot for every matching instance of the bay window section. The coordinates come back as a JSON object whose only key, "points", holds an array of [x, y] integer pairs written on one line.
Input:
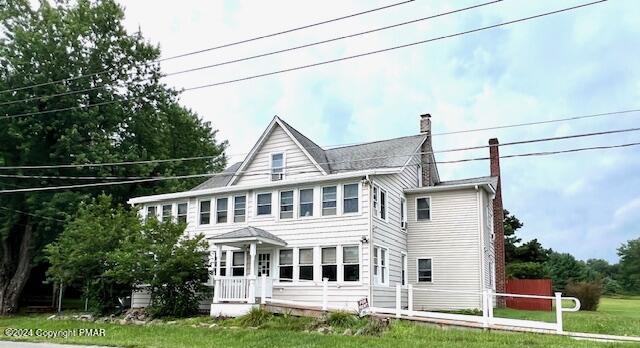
{"points": [[329, 197], [239, 208], [182, 213], [285, 263], [306, 203], [286, 205], [329, 265], [305, 264], [205, 212], [237, 264], [222, 207], [264, 204], [350, 198], [350, 263]]}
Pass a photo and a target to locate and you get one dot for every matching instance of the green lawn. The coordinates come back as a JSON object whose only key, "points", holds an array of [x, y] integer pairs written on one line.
{"points": [[615, 316], [282, 332]]}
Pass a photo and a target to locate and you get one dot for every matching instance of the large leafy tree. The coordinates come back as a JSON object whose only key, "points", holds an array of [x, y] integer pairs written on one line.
{"points": [[135, 117], [629, 267], [80, 256]]}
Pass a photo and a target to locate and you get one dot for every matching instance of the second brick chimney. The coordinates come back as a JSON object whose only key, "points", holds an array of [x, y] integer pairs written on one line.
{"points": [[498, 217], [429, 173]]}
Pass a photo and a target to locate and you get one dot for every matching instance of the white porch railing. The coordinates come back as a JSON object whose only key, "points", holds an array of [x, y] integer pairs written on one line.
{"points": [[241, 289]]}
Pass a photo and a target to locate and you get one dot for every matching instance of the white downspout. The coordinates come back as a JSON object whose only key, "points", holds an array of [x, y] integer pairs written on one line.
{"points": [[481, 237], [369, 184]]}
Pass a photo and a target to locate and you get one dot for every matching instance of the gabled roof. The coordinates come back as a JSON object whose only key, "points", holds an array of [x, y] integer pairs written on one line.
{"points": [[312, 148], [287, 129], [249, 233], [390, 153]]}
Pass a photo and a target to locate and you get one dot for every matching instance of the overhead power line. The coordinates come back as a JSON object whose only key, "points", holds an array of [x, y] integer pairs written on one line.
{"points": [[84, 165], [251, 77], [298, 166], [235, 43], [34, 215], [66, 187], [238, 60]]}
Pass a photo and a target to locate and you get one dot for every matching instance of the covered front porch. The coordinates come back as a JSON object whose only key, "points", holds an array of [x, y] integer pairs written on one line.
{"points": [[243, 269]]}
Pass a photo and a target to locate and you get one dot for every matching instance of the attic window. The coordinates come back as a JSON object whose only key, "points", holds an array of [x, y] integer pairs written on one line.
{"points": [[277, 166]]}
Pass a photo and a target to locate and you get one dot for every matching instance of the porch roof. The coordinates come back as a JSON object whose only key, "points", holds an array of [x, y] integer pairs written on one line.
{"points": [[247, 234]]}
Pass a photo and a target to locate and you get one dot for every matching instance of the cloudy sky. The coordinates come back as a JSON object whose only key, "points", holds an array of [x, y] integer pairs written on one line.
{"points": [[574, 63]]}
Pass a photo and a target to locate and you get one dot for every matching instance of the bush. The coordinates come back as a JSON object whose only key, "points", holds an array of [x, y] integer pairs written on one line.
{"points": [[341, 319], [526, 270], [256, 317], [375, 326], [587, 292], [611, 286]]}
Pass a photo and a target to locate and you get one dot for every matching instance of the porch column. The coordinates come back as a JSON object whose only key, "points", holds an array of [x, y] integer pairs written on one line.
{"points": [[216, 288], [252, 274]]}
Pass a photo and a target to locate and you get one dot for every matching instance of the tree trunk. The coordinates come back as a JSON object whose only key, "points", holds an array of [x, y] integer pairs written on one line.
{"points": [[15, 273]]}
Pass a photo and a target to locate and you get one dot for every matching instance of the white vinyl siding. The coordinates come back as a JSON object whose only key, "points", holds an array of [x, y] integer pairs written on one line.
{"points": [[451, 239]]}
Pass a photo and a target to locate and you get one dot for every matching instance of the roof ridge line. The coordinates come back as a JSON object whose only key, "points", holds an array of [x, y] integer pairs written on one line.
{"points": [[377, 141]]}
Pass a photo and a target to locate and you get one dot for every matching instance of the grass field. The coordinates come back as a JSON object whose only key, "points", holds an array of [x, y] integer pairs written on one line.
{"points": [[616, 316]]}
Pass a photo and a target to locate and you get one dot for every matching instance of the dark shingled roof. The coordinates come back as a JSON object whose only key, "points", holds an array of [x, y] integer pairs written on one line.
{"points": [[249, 232], [220, 180], [377, 154]]}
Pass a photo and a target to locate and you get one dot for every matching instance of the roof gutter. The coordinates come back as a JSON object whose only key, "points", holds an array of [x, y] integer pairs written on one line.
{"points": [[486, 186], [227, 189]]}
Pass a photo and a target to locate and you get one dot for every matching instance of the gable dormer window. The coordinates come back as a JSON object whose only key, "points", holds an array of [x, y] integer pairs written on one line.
{"points": [[277, 166]]}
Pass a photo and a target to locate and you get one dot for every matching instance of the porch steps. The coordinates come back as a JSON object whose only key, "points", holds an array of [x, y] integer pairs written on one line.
{"points": [[317, 312]]}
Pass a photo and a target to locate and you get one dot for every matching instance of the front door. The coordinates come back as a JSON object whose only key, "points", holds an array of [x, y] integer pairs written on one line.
{"points": [[264, 264]]}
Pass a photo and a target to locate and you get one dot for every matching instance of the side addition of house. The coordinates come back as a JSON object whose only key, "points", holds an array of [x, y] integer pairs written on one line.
{"points": [[299, 223]]}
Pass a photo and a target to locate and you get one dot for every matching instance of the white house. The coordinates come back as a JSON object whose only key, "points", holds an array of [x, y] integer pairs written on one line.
{"points": [[364, 217]]}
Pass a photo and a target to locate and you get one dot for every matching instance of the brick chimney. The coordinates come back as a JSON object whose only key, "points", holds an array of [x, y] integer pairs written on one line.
{"points": [[427, 158], [498, 216]]}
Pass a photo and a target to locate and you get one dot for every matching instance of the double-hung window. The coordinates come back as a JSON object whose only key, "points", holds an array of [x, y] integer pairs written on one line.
{"points": [[380, 271], [286, 204], [182, 213], [223, 263], [403, 261], [239, 208], [351, 263], [166, 212], [305, 264], [329, 196], [151, 212], [350, 198], [306, 203], [222, 208], [423, 208], [380, 202], [403, 213], [237, 264], [277, 166], [285, 263], [205, 212], [425, 270], [264, 203], [329, 265]]}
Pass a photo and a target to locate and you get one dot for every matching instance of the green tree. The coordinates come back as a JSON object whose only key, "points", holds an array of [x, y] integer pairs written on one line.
{"points": [[629, 254], [171, 265], [526, 270], [136, 118], [511, 226], [80, 256], [563, 268]]}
